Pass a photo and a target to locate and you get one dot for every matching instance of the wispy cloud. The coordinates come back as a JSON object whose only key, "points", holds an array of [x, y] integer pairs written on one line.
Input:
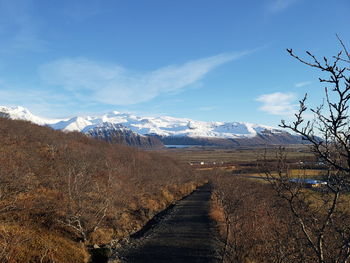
{"points": [[113, 84], [302, 84], [278, 103], [276, 6]]}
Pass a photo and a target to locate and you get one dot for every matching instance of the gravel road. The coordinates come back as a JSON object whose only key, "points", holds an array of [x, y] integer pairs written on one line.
{"points": [[184, 233]]}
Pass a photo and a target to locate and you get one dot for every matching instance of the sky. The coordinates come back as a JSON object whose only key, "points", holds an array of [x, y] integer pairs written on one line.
{"points": [[221, 60]]}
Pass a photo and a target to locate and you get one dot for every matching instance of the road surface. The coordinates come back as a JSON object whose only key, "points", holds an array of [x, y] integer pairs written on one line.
{"points": [[185, 233]]}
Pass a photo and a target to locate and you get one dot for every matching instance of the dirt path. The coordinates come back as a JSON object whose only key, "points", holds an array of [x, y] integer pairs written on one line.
{"points": [[184, 234]]}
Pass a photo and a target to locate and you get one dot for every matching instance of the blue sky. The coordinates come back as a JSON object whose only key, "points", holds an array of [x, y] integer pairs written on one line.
{"points": [[209, 60]]}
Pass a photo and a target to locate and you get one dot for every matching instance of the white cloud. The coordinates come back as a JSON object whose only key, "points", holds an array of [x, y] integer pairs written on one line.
{"points": [[276, 6], [116, 85], [278, 103], [302, 84]]}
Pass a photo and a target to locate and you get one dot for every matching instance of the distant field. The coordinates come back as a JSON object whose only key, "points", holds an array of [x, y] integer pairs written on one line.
{"points": [[244, 160], [239, 155]]}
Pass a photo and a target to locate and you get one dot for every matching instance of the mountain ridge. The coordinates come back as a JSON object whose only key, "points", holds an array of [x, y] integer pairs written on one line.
{"points": [[166, 129]]}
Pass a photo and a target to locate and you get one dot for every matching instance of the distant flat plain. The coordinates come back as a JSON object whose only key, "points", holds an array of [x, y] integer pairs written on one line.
{"points": [[237, 155]]}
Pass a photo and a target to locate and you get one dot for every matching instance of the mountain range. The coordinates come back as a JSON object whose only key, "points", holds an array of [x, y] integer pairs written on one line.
{"points": [[150, 132]]}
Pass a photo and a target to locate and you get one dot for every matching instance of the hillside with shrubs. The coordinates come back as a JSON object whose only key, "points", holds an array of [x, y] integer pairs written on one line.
{"points": [[259, 224], [61, 193]]}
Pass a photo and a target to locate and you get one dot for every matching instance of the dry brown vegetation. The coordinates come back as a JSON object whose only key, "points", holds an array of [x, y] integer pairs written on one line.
{"points": [[242, 159], [247, 213], [283, 220], [256, 225], [61, 192]]}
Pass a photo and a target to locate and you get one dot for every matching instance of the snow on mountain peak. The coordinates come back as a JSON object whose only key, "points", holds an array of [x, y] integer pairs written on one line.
{"points": [[21, 113], [162, 126]]}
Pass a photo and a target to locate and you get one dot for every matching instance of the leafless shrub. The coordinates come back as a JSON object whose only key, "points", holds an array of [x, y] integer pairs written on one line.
{"points": [[320, 216]]}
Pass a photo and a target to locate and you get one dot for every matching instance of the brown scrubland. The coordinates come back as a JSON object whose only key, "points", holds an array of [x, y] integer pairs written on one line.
{"points": [[257, 225], [63, 192]]}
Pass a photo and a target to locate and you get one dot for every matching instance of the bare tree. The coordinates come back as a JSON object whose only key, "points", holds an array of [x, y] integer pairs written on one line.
{"points": [[83, 190], [247, 220], [320, 216]]}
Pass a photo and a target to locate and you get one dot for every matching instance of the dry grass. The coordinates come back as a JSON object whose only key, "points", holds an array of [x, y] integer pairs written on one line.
{"points": [[22, 244], [217, 213], [225, 168], [292, 173], [305, 173]]}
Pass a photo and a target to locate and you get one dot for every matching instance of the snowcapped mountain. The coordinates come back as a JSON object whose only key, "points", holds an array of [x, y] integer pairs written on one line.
{"points": [[164, 128], [20, 113], [117, 133]]}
